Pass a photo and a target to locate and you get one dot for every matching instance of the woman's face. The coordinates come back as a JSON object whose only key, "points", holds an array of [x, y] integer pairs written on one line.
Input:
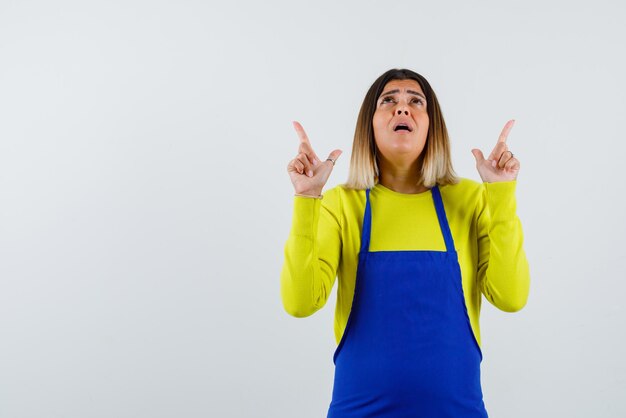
{"points": [[401, 121]]}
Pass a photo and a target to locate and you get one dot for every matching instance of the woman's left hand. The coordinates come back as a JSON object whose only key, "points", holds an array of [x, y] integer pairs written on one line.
{"points": [[501, 165]]}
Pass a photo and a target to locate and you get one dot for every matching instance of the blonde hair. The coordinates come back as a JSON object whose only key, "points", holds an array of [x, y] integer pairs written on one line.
{"points": [[435, 163]]}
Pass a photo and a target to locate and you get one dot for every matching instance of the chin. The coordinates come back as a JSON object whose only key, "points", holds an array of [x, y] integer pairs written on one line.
{"points": [[403, 148]]}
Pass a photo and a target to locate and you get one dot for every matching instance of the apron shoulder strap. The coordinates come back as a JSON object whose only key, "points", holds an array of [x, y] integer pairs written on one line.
{"points": [[443, 220]]}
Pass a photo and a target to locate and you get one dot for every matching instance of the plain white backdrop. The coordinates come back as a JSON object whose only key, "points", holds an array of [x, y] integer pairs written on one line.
{"points": [[145, 203]]}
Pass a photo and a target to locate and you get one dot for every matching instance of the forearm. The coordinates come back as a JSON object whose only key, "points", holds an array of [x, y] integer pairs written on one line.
{"points": [[505, 276], [308, 272]]}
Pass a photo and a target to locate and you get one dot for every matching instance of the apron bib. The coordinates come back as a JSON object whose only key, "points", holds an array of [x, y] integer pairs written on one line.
{"points": [[408, 349]]}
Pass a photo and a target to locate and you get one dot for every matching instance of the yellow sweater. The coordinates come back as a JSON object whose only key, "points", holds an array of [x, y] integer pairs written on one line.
{"points": [[325, 239]]}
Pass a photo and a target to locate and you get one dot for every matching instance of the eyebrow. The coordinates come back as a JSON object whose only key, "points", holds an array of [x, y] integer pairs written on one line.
{"points": [[408, 91]]}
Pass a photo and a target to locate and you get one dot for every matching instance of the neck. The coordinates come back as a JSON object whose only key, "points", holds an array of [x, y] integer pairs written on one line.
{"points": [[401, 178]]}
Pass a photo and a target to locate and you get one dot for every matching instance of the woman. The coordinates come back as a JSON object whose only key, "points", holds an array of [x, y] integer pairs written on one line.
{"points": [[414, 248]]}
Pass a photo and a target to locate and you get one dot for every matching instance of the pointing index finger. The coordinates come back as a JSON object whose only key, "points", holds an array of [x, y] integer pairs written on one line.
{"points": [[305, 144], [505, 131], [301, 134]]}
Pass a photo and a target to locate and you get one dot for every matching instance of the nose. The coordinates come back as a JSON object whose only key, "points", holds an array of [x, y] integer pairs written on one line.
{"points": [[402, 109]]}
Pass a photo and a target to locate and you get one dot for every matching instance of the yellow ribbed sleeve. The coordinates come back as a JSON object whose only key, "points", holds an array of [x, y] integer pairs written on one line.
{"points": [[325, 239]]}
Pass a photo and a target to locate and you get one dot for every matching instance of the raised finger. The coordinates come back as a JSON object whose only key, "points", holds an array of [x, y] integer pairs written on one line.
{"points": [[300, 130], [505, 131], [305, 144]]}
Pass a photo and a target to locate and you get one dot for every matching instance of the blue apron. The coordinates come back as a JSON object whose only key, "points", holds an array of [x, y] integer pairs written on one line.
{"points": [[408, 349]]}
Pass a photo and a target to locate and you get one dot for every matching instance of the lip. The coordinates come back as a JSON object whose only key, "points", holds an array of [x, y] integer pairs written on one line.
{"points": [[403, 122]]}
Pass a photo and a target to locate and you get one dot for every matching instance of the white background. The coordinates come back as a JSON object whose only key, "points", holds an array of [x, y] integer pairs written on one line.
{"points": [[145, 204]]}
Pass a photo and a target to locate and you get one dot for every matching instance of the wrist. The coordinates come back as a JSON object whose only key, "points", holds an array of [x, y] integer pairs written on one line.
{"points": [[314, 196]]}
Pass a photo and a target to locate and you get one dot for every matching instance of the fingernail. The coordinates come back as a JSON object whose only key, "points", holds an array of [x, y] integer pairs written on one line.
{"points": [[310, 173]]}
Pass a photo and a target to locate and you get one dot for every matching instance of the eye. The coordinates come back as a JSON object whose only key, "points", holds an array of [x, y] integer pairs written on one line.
{"points": [[418, 100], [387, 99]]}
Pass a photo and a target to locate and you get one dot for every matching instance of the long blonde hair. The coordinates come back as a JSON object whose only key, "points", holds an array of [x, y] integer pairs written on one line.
{"points": [[435, 163]]}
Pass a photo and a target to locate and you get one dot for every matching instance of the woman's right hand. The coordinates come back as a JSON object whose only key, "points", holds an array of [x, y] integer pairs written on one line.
{"points": [[308, 174]]}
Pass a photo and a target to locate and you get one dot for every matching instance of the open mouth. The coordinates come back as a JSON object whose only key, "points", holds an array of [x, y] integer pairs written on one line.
{"points": [[402, 127]]}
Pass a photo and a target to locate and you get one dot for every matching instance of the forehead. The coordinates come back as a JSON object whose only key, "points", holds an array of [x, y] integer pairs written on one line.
{"points": [[402, 85]]}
